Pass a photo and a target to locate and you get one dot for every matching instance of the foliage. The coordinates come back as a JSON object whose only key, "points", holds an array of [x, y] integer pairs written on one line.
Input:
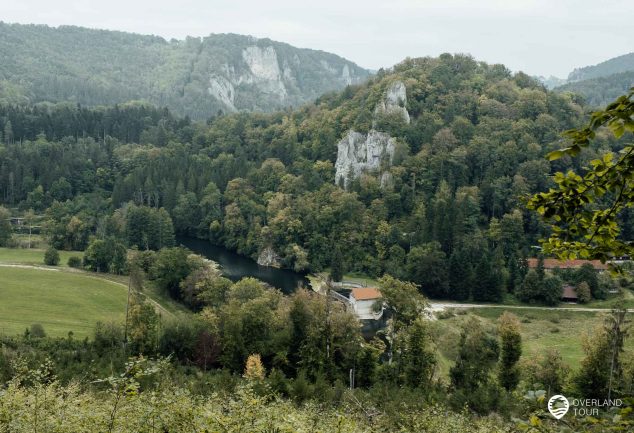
{"points": [[107, 255], [600, 370], [583, 210], [253, 369], [470, 376], [169, 268], [584, 294], [547, 290], [74, 262], [510, 350], [6, 230], [51, 257]]}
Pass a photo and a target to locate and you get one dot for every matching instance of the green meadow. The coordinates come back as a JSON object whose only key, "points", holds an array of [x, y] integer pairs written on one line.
{"points": [[33, 256], [541, 330], [59, 301]]}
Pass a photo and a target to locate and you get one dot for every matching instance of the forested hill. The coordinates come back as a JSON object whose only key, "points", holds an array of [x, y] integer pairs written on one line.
{"points": [[601, 83], [419, 173], [612, 66], [601, 90], [195, 77]]}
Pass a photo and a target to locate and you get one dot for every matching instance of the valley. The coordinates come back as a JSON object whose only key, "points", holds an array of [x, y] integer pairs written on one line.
{"points": [[229, 233]]}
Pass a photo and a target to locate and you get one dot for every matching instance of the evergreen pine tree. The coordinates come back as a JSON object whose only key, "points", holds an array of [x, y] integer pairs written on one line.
{"points": [[460, 275]]}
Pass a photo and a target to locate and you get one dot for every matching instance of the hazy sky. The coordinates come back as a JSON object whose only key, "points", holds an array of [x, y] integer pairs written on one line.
{"points": [[540, 37]]}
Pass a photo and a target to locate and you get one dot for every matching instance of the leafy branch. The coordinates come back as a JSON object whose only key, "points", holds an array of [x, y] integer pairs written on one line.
{"points": [[580, 227]]}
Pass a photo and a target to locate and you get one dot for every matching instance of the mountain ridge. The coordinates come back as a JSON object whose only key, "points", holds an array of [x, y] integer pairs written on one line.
{"points": [[195, 76]]}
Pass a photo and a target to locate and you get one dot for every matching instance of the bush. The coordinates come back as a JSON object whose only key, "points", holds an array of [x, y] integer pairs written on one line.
{"points": [[51, 257], [74, 262], [37, 331]]}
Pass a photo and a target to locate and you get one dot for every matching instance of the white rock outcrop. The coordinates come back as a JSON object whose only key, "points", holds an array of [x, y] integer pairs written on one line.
{"points": [[395, 101], [345, 75], [223, 90], [265, 70], [262, 62], [268, 257], [357, 153]]}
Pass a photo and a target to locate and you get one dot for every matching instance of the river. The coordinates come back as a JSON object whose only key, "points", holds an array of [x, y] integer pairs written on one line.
{"points": [[235, 266]]}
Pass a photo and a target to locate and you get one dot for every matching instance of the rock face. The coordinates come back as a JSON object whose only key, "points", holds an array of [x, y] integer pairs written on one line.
{"points": [[268, 257], [357, 153], [222, 89], [265, 77], [394, 102]]}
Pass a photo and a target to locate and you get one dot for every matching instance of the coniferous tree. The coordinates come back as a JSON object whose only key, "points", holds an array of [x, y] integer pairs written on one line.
{"points": [[461, 275], [510, 350], [419, 358], [336, 265]]}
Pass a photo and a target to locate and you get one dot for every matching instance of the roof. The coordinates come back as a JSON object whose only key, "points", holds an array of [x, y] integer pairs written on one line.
{"points": [[365, 293], [567, 264], [569, 292]]}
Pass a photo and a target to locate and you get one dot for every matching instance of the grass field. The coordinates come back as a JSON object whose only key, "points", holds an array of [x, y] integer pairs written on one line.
{"points": [[64, 299], [541, 330], [60, 301], [33, 256]]}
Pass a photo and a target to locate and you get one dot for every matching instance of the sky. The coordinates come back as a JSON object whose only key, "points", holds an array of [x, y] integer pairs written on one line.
{"points": [[539, 37]]}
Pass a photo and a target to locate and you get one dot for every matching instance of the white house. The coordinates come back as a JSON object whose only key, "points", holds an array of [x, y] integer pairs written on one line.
{"points": [[362, 300]]}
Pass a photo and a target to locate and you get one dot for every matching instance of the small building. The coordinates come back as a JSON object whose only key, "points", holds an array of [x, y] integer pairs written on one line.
{"points": [[569, 293], [551, 264], [362, 300]]}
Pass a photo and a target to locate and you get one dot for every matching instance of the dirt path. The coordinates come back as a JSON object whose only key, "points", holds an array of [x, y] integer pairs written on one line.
{"points": [[40, 268]]}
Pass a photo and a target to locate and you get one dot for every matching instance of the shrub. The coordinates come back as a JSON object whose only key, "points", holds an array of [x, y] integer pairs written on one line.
{"points": [[37, 331], [74, 262], [583, 292], [51, 257]]}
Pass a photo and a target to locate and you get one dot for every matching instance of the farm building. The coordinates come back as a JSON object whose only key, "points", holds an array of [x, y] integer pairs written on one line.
{"points": [[550, 264], [362, 300]]}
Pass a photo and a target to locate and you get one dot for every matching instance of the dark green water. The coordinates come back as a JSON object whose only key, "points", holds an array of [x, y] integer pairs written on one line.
{"points": [[235, 266]]}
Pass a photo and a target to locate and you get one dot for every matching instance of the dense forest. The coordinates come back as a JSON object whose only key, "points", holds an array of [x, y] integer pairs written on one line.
{"points": [[598, 84], [450, 198], [195, 77], [601, 90]]}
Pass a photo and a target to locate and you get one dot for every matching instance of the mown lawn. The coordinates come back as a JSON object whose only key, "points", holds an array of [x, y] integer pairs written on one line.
{"points": [[33, 256], [60, 301]]}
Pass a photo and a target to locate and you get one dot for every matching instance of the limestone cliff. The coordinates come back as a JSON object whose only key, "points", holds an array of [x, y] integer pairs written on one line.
{"points": [[372, 152], [394, 102], [358, 153], [269, 75]]}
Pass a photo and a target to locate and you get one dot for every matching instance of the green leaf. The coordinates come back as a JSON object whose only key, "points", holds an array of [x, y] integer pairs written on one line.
{"points": [[556, 154]]}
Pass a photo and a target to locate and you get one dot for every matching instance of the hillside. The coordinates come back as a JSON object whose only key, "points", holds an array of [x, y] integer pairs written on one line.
{"points": [[612, 66], [598, 84], [602, 90], [196, 77], [415, 172]]}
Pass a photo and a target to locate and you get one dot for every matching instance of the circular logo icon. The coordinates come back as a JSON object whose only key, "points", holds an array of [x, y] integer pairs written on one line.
{"points": [[558, 406]]}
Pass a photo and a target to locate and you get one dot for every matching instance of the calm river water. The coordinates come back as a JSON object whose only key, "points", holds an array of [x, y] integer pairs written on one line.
{"points": [[235, 266]]}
